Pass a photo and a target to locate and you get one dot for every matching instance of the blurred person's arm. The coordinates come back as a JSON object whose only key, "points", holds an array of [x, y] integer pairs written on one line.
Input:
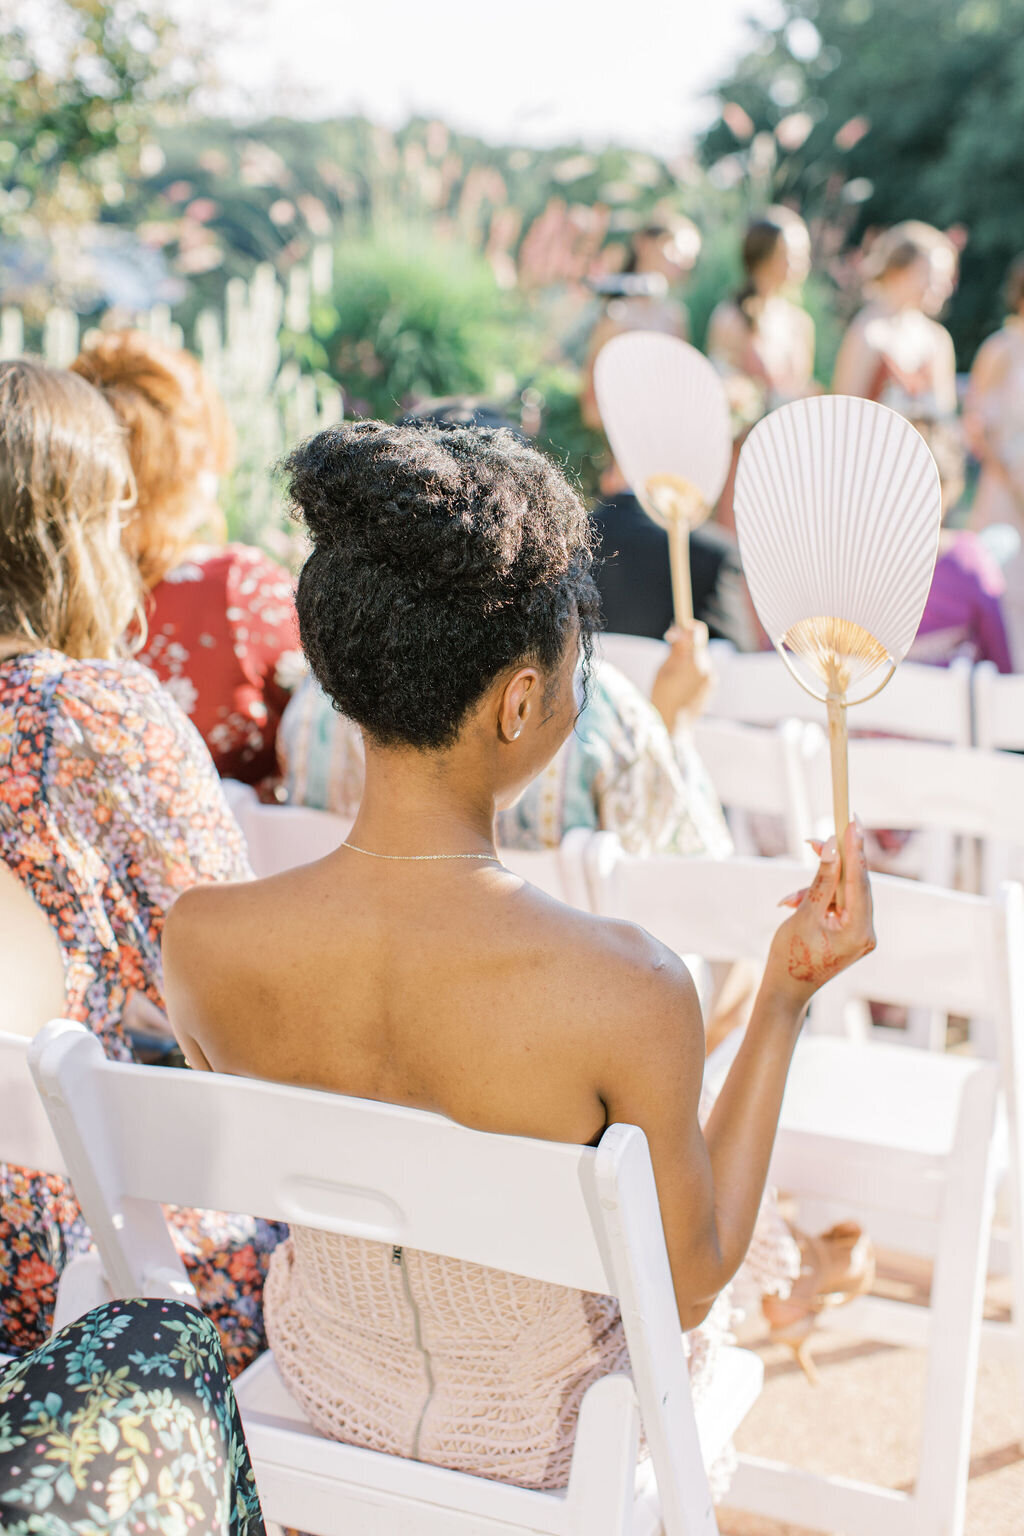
{"points": [[856, 365], [988, 375]]}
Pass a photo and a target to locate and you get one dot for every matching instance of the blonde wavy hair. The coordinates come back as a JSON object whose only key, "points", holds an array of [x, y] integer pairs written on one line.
{"points": [[65, 487], [177, 430]]}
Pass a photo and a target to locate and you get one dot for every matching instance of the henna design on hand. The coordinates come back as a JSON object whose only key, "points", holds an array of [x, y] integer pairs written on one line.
{"points": [[804, 967]]}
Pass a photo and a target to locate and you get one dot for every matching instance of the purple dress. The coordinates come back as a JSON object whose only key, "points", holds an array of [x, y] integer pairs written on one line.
{"points": [[963, 615]]}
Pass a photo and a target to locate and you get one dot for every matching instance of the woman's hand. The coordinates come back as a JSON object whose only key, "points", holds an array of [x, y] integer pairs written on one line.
{"points": [[831, 926], [685, 677]]}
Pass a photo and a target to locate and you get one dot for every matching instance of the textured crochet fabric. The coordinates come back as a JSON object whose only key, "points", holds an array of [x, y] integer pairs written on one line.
{"points": [[472, 1368], [454, 1364]]}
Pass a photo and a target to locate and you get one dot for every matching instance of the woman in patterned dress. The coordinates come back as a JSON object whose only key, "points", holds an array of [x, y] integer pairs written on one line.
{"points": [[125, 1421], [221, 633], [109, 808]]}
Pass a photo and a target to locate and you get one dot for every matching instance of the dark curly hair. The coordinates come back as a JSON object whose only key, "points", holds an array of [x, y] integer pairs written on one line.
{"points": [[442, 555]]}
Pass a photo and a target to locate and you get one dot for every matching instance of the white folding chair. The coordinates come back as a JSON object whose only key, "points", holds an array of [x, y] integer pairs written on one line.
{"points": [[944, 792], [637, 656], [575, 1216], [279, 837], [928, 703], [998, 708], [33, 987], [761, 771], [897, 1137], [560, 872]]}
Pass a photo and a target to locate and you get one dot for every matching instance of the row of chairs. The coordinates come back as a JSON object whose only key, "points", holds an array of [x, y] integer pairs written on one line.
{"points": [[908, 1143], [890, 1135], [936, 769], [960, 705]]}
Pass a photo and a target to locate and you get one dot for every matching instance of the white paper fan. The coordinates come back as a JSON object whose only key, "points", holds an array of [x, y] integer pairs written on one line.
{"points": [[838, 511], [665, 412]]}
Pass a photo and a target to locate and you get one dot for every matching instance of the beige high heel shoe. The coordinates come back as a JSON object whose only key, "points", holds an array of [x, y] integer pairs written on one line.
{"points": [[836, 1267]]}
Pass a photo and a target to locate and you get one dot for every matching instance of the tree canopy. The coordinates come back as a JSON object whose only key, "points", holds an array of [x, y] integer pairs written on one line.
{"points": [[874, 111]]}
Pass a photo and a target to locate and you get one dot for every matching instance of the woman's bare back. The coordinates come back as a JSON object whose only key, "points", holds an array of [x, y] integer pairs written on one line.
{"points": [[438, 985]]}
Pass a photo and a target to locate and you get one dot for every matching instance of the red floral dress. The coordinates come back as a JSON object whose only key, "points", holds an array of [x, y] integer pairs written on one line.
{"points": [[223, 639], [109, 808]]}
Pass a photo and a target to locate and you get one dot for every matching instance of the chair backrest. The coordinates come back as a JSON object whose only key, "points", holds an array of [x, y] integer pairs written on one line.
{"points": [[281, 836], [560, 872], [30, 960], [928, 703], [26, 1136], [998, 708], [637, 656], [936, 948], [760, 770], [916, 785], [137, 1137]]}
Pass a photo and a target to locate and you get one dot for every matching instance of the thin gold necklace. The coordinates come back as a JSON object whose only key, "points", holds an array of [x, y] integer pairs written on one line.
{"points": [[420, 858]]}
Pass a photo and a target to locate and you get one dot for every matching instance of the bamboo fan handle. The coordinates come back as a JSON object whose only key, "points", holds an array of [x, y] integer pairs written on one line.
{"points": [[682, 584], [838, 741]]}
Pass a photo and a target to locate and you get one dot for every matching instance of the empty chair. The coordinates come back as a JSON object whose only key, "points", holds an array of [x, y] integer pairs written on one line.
{"points": [[575, 1216], [928, 703], [904, 1141], [635, 655], [945, 792], [761, 771], [998, 708]]}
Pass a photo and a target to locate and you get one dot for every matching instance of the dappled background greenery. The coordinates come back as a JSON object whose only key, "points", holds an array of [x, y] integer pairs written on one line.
{"points": [[425, 262]]}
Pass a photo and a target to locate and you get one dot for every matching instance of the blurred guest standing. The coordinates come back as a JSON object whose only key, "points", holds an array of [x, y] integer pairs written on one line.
{"points": [[760, 334], [109, 809], [759, 339], [994, 424], [221, 619], [896, 353], [641, 297]]}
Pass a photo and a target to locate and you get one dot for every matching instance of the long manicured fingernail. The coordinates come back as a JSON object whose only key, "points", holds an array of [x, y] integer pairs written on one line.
{"points": [[830, 852]]}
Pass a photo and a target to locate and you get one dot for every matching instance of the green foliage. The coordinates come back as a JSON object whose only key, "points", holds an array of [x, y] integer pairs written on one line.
{"points": [[412, 317], [80, 84], [911, 109]]}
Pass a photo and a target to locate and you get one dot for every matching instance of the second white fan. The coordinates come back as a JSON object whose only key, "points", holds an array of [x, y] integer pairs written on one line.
{"points": [[665, 412]]}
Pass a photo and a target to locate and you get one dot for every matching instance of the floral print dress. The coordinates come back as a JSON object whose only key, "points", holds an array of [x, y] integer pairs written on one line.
{"points": [[223, 638], [109, 808], [125, 1421]]}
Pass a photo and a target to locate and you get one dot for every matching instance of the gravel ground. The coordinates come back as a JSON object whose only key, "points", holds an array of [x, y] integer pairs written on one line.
{"points": [[864, 1418]]}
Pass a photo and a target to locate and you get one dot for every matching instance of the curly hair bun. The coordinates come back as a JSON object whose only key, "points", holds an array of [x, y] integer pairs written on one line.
{"points": [[441, 556]]}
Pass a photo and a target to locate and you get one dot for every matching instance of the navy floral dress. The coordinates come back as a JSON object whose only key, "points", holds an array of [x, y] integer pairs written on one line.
{"points": [[125, 1422], [109, 808]]}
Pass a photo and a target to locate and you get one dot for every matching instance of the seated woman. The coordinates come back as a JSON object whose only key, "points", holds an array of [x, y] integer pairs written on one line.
{"points": [[109, 808], [445, 607], [222, 635], [624, 768]]}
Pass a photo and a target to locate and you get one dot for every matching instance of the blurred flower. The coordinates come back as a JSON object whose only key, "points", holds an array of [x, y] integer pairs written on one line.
{"points": [[858, 190], [202, 210], [794, 130], [178, 192], [152, 159], [852, 131], [281, 212], [739, 122], [214, 162], [315, 214], [574, 168]]}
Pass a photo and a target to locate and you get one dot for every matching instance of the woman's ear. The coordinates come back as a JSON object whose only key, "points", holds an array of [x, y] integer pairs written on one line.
{"points": [[517, 702]]}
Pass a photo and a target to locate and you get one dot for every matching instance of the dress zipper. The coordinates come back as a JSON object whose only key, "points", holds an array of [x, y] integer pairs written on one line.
{"points": [[398, 1257]]}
